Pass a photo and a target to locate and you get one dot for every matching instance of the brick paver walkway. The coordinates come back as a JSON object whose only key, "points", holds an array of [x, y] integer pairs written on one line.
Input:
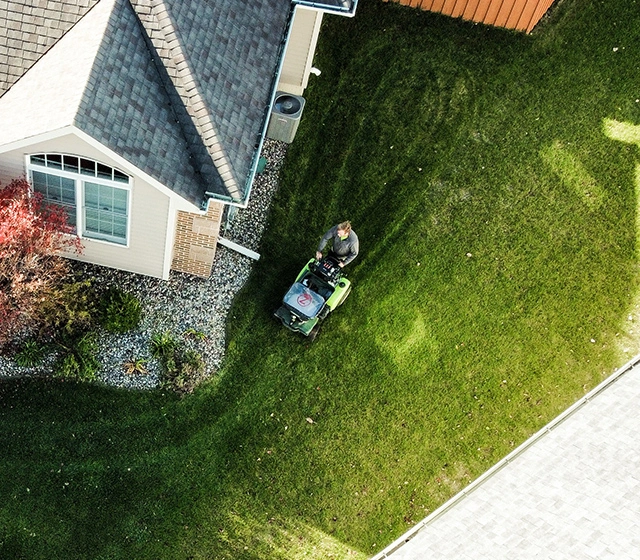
{"points": [[571, 492]]}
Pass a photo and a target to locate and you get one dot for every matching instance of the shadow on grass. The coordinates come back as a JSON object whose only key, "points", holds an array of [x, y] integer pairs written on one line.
{"points": [[83, 468]]}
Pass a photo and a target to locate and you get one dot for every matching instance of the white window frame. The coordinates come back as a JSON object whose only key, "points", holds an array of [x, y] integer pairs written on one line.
{"points": [[79, 180]]}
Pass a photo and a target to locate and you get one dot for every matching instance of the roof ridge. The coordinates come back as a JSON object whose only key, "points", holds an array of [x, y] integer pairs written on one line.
{"points": [[157, 22]]}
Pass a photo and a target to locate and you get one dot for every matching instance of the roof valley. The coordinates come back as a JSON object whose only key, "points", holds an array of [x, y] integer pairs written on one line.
{"points": [[160, 31]]}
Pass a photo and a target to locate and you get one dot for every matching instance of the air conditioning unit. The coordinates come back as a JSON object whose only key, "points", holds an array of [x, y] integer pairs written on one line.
{"points": [[285, 116]]}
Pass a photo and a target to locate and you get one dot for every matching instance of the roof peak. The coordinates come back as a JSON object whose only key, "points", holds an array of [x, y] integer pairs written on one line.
{"points": [[171, 54], [55, 84], [181, 89]]}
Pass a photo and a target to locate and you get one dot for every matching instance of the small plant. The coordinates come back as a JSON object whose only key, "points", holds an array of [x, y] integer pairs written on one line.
{"points": [[194, 360], [68, 308], [193, 333], [163, 345], [135, 365], [77, 358], [31, 353], [120, 311], [181, 369]]}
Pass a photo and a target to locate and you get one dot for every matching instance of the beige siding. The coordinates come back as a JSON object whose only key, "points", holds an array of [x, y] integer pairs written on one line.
{"points": [[298, 59], [11, 168], [145, 254], [148, 211]]}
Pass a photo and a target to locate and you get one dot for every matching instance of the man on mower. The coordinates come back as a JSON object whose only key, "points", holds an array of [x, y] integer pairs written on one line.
{"points": [[345, 245]]}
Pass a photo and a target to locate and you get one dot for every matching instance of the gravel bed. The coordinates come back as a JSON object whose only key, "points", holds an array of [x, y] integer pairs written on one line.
{"points": [[183, 302]]}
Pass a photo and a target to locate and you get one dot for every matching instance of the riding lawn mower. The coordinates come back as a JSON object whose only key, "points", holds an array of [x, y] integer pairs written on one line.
{"points": [[317, 291]]}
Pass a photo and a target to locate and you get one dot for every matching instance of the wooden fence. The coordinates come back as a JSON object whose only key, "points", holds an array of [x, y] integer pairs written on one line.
{"points": [[512, 14]]}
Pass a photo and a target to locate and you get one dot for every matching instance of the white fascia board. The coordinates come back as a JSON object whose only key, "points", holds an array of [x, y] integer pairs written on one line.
{"points": [[328, 9], [178, 202], [30, 140]]}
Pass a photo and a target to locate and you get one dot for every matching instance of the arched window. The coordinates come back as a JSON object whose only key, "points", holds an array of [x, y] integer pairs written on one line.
{"points": [[95, 196]]}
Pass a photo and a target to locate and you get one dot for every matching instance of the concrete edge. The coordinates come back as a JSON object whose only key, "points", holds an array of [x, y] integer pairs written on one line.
{"points": [[411, 533]]}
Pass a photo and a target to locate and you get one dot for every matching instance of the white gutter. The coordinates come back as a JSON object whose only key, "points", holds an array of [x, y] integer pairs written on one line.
{"points": [[329, 9]]}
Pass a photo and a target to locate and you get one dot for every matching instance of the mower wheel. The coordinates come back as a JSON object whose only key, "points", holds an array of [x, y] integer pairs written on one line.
{"points": [[313, 333], [346, 294]]}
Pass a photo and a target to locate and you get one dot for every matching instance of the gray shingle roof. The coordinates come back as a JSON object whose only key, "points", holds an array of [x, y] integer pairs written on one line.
{"points": [[180, 89], [126, 107], [215, 55]]}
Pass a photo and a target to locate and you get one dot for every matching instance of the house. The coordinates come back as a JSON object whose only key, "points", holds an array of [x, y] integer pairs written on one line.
{"points": [[521, 15], [145, 118]]}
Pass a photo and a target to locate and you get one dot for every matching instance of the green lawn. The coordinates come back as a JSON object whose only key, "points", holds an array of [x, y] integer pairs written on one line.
{"points": [[492, 180]]}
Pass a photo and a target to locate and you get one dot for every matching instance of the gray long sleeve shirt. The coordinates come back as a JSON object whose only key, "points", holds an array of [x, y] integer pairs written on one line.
{"points": [[346, 249]]}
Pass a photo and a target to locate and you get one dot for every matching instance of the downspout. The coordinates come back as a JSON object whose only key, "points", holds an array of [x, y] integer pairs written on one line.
{"points": [[234, 205]]}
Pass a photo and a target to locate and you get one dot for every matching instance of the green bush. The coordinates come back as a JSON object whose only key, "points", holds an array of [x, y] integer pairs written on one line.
{"points": [[163, 345], [31, 353], [77, 359], [182, 371], [194, 360], [120, 311], [68, 309]]}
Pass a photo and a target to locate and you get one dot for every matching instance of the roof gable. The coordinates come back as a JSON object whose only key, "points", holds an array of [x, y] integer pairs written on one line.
{"points": [[220, 60], [126, 107], [47, 97]]}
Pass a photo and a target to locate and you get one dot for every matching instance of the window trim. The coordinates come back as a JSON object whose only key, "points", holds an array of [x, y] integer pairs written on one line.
{"points": [[79, 180]]}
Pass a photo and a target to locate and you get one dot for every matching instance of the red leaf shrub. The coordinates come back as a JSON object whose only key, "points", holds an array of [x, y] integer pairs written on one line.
{"points": [[32, 234]]}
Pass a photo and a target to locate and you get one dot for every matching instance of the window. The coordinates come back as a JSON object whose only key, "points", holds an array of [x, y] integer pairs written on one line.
{"points": [[57, 190], [105, 211], [100, 192]]}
